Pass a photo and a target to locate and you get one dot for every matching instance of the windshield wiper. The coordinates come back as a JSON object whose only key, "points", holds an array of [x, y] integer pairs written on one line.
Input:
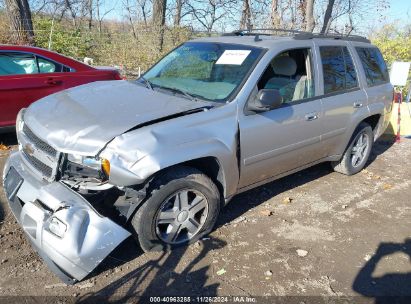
{"points": [[191, 97], [147, 82]]}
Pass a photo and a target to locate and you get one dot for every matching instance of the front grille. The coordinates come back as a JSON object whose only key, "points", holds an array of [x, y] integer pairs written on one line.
{"points": [[39, 143], [39, 154], [43, 168]]}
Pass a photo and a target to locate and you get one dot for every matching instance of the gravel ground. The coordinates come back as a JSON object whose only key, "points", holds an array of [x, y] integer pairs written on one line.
{"points": [[315, 233]]}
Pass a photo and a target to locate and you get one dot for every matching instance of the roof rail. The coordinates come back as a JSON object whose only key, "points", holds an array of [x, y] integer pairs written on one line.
{"points": [[295, 34]]}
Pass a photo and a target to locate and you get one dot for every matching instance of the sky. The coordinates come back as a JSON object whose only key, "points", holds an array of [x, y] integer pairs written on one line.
{"points": [[400, 9]]}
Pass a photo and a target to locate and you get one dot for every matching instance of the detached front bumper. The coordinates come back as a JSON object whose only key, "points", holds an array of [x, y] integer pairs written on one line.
{"points": [[86, 237]]}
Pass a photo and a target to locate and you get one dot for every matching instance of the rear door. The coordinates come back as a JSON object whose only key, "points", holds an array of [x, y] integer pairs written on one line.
{"points": [[83, 77], [64, 77], [343, 98], [23, 80]]}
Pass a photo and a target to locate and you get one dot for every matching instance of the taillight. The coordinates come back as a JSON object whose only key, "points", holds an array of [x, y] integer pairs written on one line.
{"points": [[117, 76]]}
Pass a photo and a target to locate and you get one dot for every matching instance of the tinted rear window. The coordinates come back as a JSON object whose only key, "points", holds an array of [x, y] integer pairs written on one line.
{"points": [[338, 69], [374, 66]]}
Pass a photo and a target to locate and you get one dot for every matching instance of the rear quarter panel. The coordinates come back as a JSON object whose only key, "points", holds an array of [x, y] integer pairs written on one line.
{"points": [[380, 97]]}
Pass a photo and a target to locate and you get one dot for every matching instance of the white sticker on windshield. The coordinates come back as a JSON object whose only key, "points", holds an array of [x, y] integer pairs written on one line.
{"points": [[235, 57]]}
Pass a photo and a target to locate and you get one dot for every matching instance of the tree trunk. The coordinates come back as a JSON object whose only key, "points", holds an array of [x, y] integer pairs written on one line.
{"points": [[159, 20], [275, 16], [21, 23], [245, 22], [177, 16], [90, 13], [309, 16], [327, 17], [68, 6]]}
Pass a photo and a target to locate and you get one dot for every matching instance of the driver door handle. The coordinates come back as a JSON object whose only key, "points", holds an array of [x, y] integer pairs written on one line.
{"points": [[311, 116], [357, 104], [52, 81]]}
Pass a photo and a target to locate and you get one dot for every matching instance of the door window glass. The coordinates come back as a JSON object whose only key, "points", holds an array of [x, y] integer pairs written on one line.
{"points": [[17, 64], [290, 73], [46, 66], [374, 66], [338, 69]]}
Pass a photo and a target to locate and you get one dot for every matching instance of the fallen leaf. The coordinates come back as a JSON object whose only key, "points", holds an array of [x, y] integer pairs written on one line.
{"points": [[268, 273], [387, 186], [4, 147], [266, 212], [221, 271], [302, 252]]}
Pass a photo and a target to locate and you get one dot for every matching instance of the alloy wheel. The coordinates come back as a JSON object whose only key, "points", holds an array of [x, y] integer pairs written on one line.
{"points": [[181, 216]]}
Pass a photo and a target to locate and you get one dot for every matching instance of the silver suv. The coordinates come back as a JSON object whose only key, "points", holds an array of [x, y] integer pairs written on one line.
{"points": [[157, 158]]}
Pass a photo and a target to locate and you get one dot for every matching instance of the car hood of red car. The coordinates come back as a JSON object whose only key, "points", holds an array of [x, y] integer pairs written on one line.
{"points": [[84, 119]]}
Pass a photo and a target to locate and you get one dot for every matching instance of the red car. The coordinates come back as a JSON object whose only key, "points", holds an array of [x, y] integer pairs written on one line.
{"points": [[29, 73]]}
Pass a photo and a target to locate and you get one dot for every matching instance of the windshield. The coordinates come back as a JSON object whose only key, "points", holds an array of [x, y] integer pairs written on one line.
{"points": [[210, 71]]}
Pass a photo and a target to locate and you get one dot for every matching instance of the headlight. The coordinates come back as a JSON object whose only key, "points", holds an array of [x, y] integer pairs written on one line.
{"points": [[57, 227], [100, 164], [20, 121]]}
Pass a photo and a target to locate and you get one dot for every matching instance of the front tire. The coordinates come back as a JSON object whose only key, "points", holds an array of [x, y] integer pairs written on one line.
{"points": [[358, 151], [182, 206]]}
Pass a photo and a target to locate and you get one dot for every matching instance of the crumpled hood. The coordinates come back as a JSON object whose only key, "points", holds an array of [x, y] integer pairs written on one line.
{"points": [[83, 119]]}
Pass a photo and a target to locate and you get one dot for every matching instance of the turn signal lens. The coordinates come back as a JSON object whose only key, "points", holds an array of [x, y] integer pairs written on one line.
{"points": [[105, 165]]}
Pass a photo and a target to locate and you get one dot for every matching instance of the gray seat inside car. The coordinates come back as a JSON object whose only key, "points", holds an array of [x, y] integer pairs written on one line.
{"points": [[291, 86]]}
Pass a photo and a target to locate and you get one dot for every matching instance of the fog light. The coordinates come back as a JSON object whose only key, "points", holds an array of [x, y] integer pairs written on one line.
{"points": [[57, 227]]}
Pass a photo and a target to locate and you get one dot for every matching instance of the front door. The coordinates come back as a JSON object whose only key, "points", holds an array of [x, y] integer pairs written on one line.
{"points": [[288, 137], [21, 83]]}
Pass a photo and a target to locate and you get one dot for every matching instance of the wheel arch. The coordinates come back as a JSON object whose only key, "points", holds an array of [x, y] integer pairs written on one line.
{"points": [[208, 165], [372, 120]]}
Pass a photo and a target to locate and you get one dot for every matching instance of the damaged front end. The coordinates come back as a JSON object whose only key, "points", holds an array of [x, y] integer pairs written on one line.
{"points": [[47, 196]]}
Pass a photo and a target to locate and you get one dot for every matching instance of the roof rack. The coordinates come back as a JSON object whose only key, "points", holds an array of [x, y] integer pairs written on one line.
{"points": [[295, 34]]}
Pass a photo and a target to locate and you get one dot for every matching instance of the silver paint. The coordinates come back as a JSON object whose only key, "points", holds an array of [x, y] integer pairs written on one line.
{"points": [[131, 126]]}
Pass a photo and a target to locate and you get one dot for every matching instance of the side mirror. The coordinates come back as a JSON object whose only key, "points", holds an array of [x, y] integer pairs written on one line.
{"points": [[266, 99]]}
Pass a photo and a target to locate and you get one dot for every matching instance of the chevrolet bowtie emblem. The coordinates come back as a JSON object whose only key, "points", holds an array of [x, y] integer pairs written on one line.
{"points": [[28, 149]]}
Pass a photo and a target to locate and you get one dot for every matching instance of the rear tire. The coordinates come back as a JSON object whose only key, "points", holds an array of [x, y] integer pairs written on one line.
{"points": [[182, 206], [358, 151]]}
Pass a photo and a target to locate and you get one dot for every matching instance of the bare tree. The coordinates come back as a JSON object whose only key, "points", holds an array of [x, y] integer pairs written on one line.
{"points": [[130, 17], [275, 16], [208, 12], [159, 19], [309, 15], [159, 12], [178, 12], [327, 17], [20, 21], [143, 10], [101, 14], [245, 22], [90, 13]]}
